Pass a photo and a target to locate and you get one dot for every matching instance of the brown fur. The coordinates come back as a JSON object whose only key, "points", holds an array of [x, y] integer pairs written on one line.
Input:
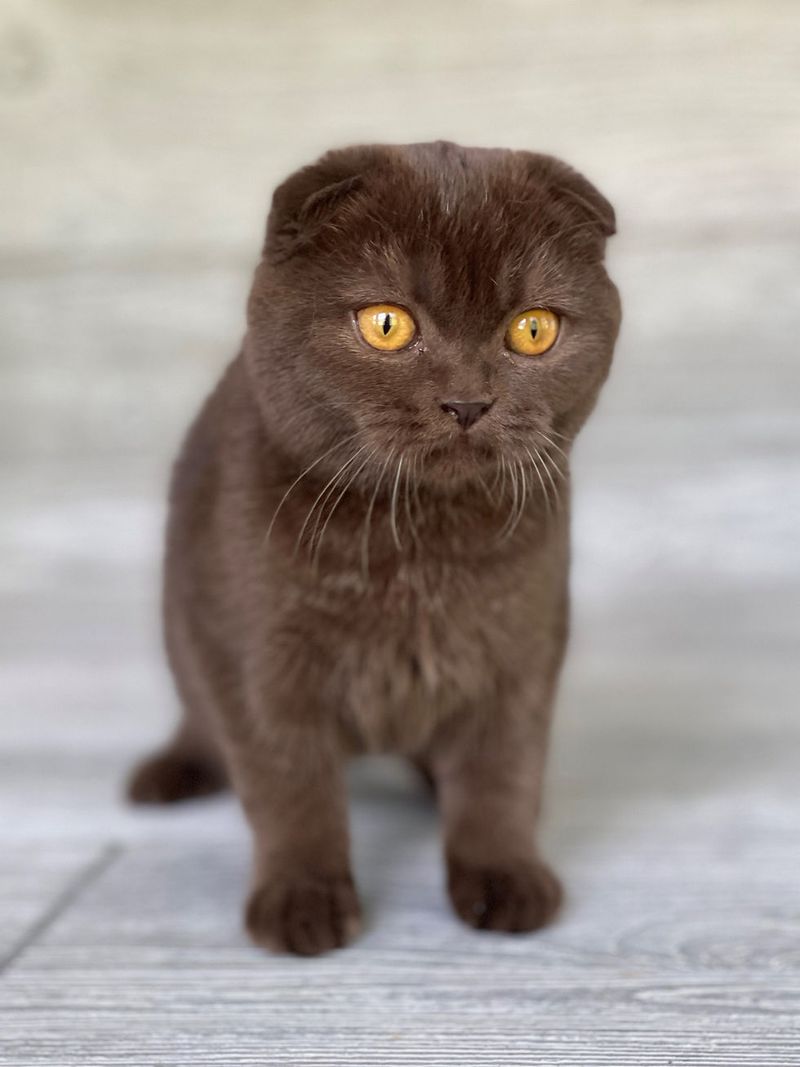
{"points": [[419, 604]]}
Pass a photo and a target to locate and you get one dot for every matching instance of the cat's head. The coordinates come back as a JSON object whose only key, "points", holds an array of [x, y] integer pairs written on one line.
{"points": [[443, 305]]}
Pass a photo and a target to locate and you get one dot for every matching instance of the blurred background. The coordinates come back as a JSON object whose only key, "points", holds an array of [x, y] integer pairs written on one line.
{"points": [[139, 144]]}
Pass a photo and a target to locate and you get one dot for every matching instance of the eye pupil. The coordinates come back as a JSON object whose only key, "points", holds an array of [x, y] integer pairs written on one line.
{"points": [[534, 328], [386, 324]]}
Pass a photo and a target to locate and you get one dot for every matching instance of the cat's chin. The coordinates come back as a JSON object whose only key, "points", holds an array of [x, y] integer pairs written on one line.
{"points": [[459, 463]]}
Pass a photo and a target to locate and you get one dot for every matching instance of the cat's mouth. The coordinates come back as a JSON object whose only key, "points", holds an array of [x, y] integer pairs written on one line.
{"points": [[461, 456]]}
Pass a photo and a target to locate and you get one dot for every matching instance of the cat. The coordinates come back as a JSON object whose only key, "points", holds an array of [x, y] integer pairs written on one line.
{"points": [[368, 543]]}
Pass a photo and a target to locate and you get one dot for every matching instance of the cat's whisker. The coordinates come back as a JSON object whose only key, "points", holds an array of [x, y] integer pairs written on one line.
{"points": [[501, 472], [393, 508], [553, 444], [368, 522], [500, 478], [299, 478], [322, 496], [496, 477], [524, 495], [317, 550], [411, 469], [488, 490], [507, 525], [549, 463], [514, 471], [502, 497], [328, 495], [527, 492], [417, 501], [535, 467]]}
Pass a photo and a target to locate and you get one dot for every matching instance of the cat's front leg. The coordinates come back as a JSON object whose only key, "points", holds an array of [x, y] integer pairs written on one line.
{"points": [[488, 777], [289, 775]]}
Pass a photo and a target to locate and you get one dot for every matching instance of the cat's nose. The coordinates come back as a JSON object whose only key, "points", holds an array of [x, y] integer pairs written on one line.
{"points": [[467, 412]]}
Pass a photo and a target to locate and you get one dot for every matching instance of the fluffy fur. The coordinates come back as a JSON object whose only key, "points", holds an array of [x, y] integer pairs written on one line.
{"points": [[349, 570]]}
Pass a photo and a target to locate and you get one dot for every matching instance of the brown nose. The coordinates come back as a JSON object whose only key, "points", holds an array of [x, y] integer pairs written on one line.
{"points": [[466, 411]]}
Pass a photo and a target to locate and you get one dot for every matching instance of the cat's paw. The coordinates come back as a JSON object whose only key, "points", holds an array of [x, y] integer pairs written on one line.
{"points": [[169, 777], [306, 915], [516, 898]]}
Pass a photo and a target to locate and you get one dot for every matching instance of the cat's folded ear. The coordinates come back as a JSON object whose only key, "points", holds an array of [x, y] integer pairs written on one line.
{"points": [[311, 197], [576, 193]]}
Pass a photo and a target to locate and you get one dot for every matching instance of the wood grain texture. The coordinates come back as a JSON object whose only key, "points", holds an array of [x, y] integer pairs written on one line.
{"points": [[36, 883]]}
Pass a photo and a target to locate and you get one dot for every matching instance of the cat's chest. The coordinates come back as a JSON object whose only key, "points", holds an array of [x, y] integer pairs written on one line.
{"points": [[420, 646]]}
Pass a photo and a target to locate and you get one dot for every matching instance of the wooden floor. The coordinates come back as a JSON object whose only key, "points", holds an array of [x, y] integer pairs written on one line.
{"points": [[673, 807]]}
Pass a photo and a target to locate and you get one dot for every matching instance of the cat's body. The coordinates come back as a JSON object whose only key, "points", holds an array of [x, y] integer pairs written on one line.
{"points": [[348, 569]]}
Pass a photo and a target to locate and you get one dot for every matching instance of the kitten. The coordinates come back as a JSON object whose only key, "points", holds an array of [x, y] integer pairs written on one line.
{"points": [[367, 546]]}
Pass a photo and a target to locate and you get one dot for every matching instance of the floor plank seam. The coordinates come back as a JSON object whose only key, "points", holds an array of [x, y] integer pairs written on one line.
{"points": [[94, 870]]}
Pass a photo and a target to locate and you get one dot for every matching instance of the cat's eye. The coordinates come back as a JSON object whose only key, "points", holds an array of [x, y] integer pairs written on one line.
{"points": [[386, 327], [532, 332]]}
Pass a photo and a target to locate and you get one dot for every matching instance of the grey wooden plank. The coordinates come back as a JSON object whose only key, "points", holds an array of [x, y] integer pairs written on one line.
{"points": [[681, 940], [643, 965], [36, 880], [472, 1047]]}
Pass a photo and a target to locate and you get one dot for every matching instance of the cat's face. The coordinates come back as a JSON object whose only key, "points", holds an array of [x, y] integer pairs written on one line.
{"points": [[390, 310]]}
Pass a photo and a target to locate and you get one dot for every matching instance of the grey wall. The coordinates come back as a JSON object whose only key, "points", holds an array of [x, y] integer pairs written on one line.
{"points": [[140, 142]]}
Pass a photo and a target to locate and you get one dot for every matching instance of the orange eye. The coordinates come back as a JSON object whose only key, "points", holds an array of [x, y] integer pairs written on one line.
{"points": [[386, 327], [532, 332]]}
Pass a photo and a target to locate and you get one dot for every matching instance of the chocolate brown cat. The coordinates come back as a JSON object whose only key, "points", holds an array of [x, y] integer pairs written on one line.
{"points": [[368, 537]]}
